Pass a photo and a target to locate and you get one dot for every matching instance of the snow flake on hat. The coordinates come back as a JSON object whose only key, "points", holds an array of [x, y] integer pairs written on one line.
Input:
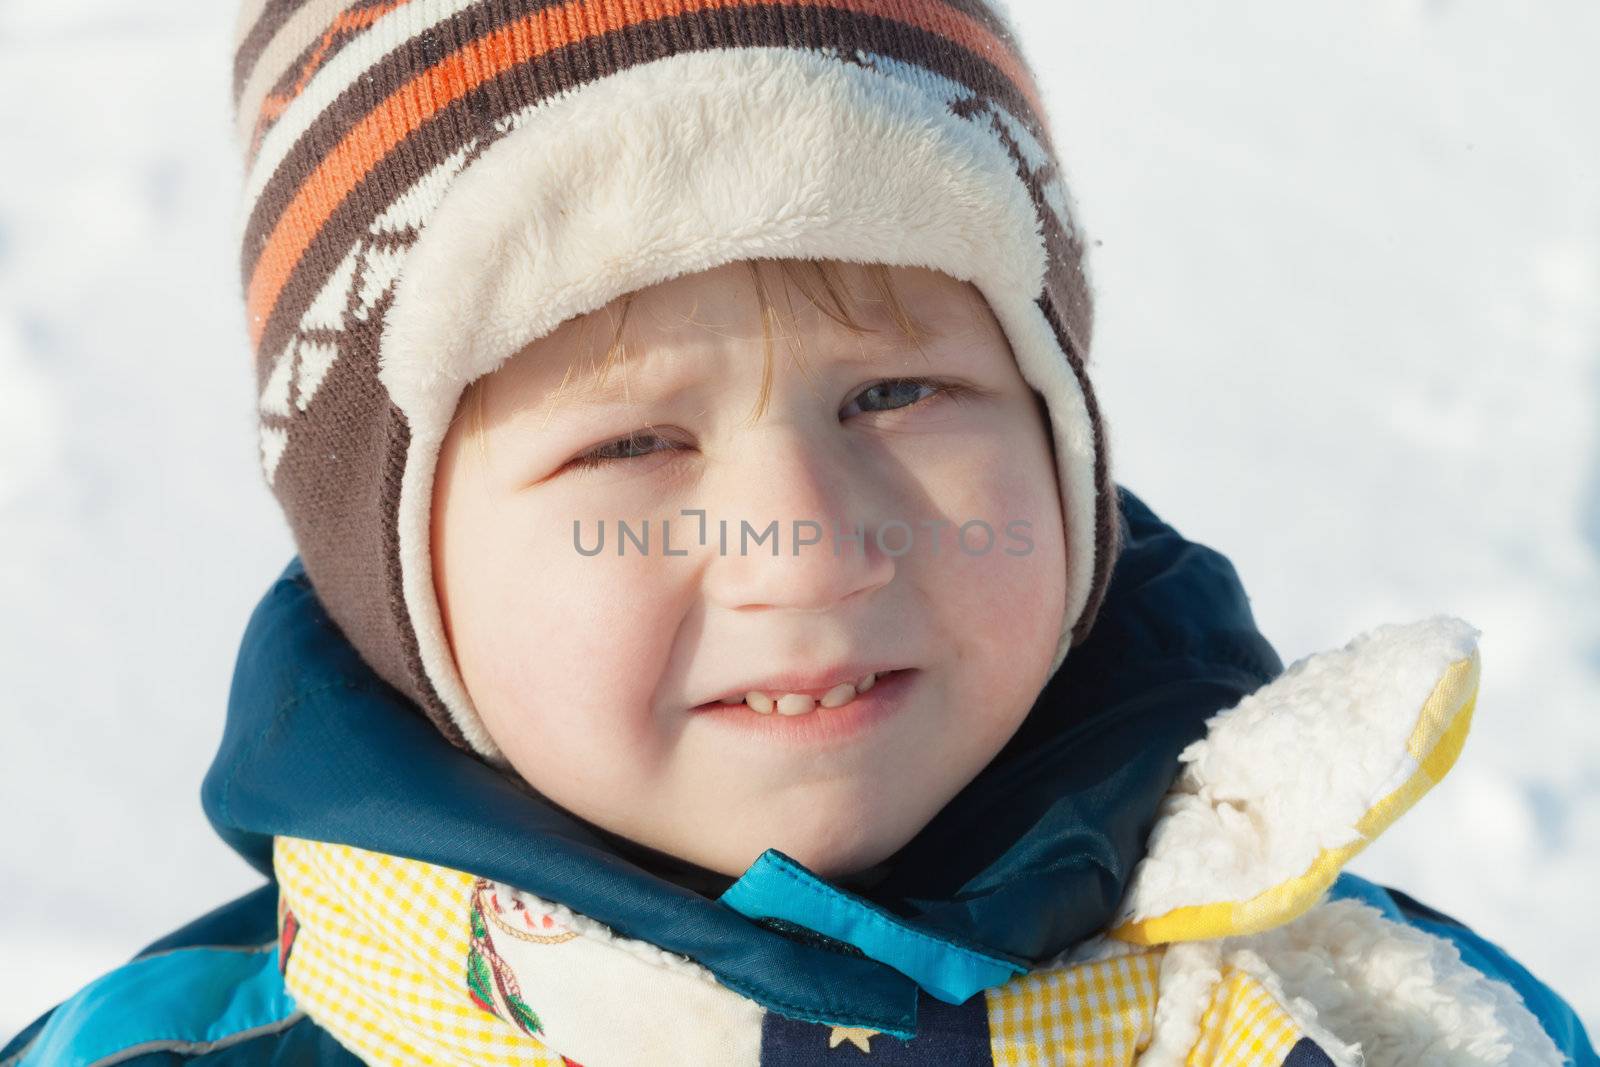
{"points": [[353, 293]]}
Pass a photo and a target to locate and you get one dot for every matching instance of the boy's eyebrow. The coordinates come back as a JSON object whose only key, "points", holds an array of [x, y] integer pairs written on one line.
{"points": [[591, 387], [587, 387]]}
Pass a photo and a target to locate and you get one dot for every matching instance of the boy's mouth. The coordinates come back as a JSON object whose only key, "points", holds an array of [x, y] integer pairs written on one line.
{"points": [[769, 700]]}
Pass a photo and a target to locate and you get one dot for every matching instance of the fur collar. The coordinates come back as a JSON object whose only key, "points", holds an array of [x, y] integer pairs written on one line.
{"points": [[1282, 791]]}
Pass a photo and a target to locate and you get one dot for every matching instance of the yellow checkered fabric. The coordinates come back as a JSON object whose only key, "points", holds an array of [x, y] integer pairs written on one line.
{"points": [[1243, 1026], [1091, 1015], [379, 960]]}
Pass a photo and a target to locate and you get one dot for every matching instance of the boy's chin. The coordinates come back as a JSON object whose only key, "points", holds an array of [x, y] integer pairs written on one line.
{"points": [[846, 866], [841, 832], [835, 853]]}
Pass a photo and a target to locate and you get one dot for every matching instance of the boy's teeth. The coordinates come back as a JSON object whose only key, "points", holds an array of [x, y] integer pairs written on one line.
{"points": [[800, 703], [842, 693]]}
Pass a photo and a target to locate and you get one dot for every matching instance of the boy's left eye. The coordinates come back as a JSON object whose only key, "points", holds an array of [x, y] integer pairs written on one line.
{"points": [[890, 394], [634, 446], [893, 393]]}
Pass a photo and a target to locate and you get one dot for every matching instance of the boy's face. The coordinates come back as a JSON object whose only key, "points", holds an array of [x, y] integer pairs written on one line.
{"points": [[599, 675]]}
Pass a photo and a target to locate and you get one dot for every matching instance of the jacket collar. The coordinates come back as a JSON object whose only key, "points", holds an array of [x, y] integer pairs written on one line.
{"points": [[1027, 861]]}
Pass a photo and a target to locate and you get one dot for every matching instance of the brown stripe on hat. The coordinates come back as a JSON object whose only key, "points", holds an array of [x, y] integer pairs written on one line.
{"points": [[295, 38], [1067, 305], [357, 161], [252, 127], [273, 15], [1107, 529], [1063, 245], [244, 20]]}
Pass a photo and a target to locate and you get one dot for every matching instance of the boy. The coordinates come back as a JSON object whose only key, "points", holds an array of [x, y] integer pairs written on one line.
{"points": [[528, 795]]}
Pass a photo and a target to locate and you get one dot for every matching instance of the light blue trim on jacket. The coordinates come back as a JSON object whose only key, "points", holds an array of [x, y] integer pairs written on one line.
{"points": [[777, 887], [1554, 1014], [189, 1000]]}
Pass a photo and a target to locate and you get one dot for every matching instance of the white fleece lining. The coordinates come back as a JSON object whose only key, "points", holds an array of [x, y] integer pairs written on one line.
{"points": [[1304, 1012], [681, 165], [1366, 989], [1404, 994], [1190, 971], [1291, 770], [1190, 974]]}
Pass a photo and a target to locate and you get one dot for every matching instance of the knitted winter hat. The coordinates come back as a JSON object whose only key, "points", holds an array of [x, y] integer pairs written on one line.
{"points": [[433, 184]]}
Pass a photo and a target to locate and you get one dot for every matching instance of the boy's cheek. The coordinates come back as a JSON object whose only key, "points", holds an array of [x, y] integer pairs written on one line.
{"points": [[573, 643]]}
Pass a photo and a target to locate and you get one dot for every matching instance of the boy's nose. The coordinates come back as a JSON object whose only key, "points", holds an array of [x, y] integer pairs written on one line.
{"points": [[800, 497]]}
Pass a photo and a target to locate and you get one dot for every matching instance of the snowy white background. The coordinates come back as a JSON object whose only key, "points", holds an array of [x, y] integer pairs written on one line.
{"points": [[1349, 333]]}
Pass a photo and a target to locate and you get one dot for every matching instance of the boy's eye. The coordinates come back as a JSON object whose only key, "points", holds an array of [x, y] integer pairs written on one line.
{"points": [[892, 393], [887, 395], [633, 446]]}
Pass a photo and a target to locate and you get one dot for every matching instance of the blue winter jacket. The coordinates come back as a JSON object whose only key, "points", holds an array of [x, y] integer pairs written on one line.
{"points": [[317, 746]]}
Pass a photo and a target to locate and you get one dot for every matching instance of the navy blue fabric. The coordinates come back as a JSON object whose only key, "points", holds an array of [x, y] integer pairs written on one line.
{"points": [[950, 1035], [1307, 1053]]}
